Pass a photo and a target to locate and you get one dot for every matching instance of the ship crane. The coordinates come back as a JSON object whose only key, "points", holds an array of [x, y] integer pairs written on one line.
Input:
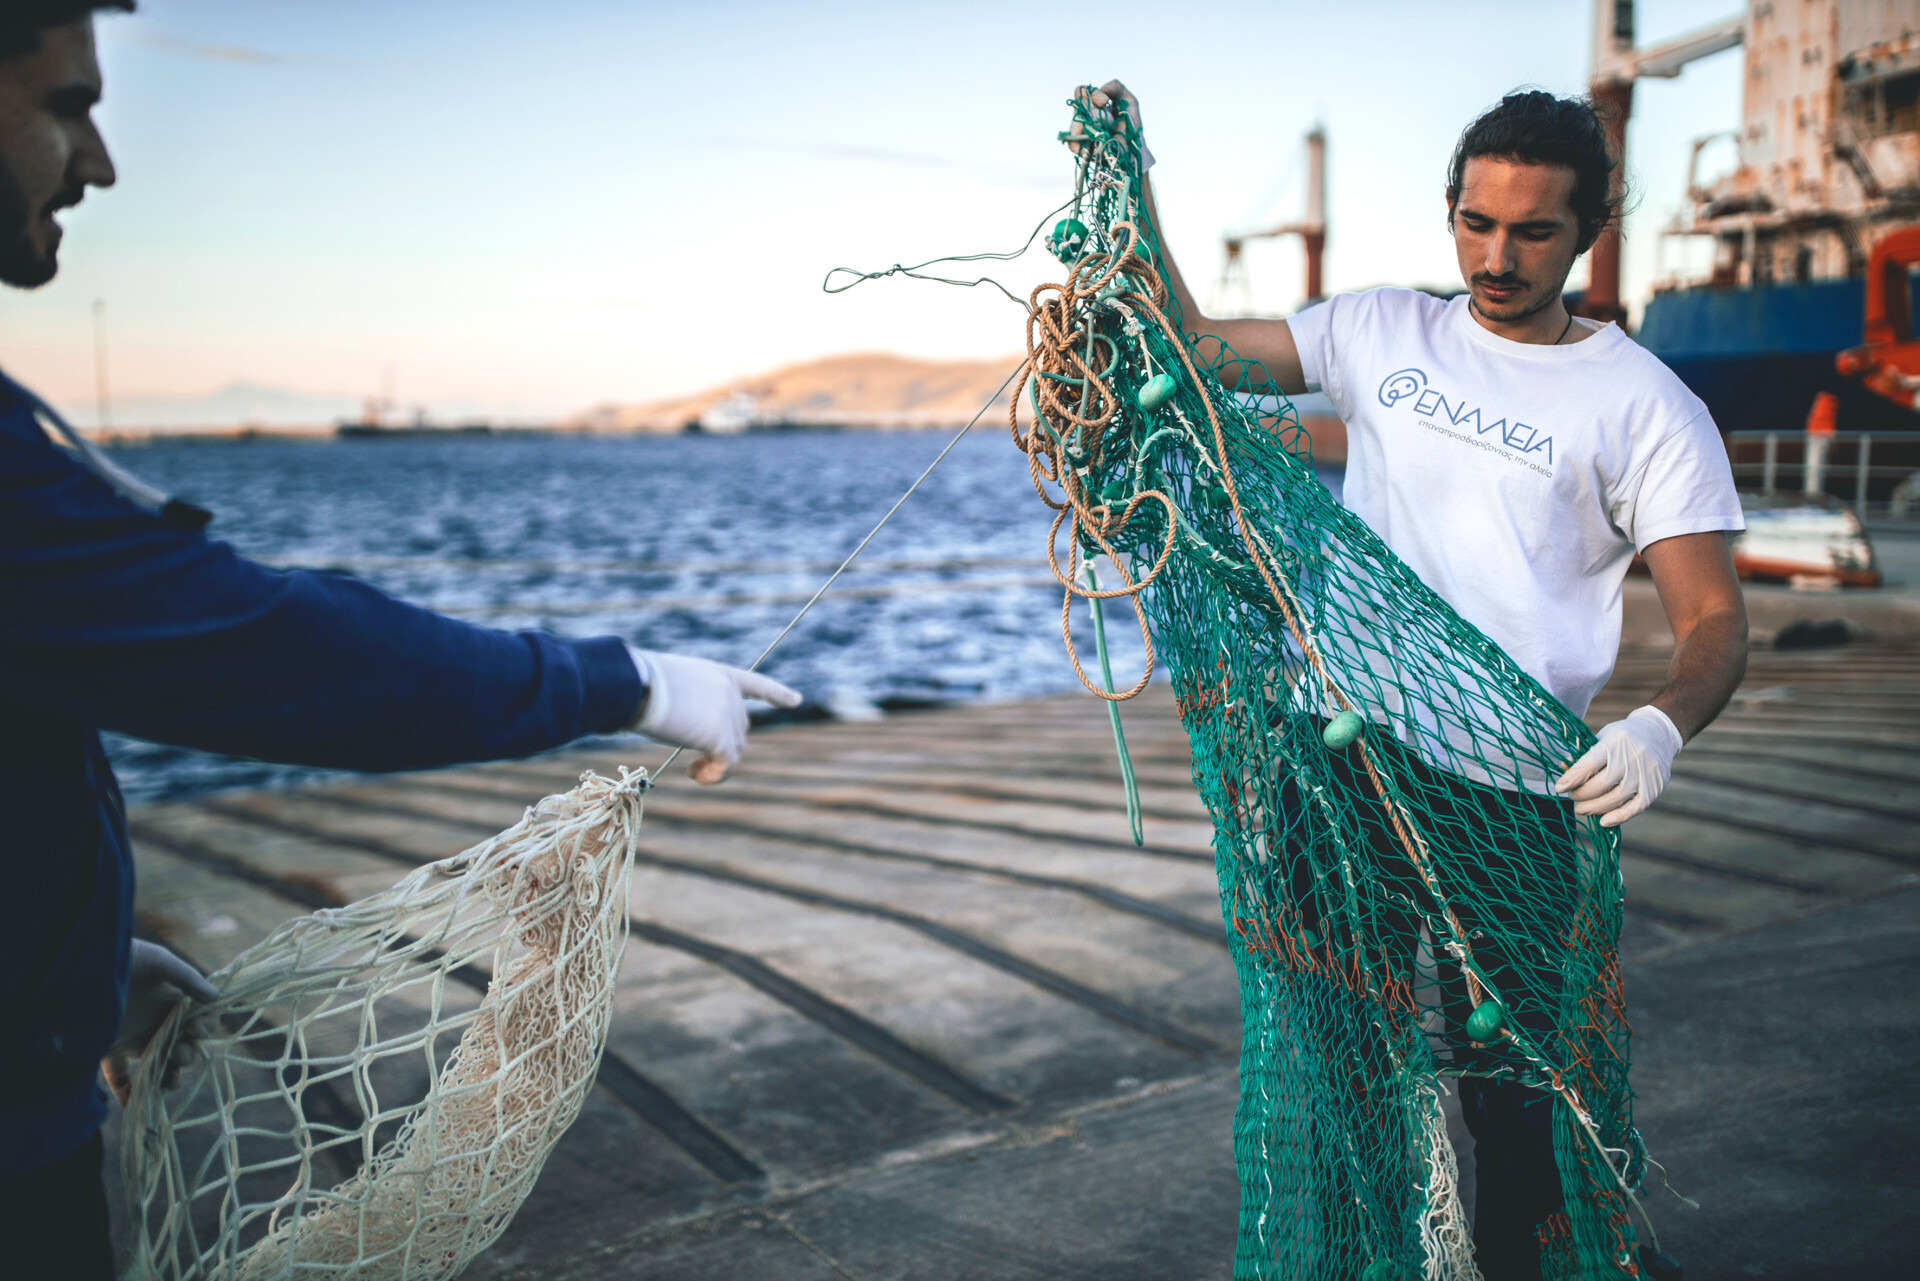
{"points": [[1617, 63], [1312, 230]]}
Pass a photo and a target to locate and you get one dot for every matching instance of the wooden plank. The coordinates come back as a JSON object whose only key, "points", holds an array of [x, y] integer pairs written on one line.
{"points": [[975, 943], [798, 1098], [1013, 1036], [785, 844]]}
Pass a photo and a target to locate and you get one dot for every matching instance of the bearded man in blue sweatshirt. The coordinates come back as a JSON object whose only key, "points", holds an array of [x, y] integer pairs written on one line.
{"points": [[117, 612]]}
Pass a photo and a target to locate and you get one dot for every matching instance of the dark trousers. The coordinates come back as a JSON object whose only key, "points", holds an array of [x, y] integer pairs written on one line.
{"points": [[1520, 877], [1516, 1183], [53, 1221]]}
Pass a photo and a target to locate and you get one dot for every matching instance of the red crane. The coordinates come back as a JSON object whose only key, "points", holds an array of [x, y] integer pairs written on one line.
{"points": [[1312, 229]]}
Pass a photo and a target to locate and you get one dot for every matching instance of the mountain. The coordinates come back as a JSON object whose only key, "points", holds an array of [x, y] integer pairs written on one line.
{"points": [[867, 389]]}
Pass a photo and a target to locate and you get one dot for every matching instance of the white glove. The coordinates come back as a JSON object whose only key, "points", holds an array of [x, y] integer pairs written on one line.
{"points": [[697, 704], [1622, 773], [157, 980]]}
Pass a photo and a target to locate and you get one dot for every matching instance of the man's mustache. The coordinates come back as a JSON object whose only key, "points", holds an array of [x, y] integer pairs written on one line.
{"points": [[1508, 281], [65, 198]]}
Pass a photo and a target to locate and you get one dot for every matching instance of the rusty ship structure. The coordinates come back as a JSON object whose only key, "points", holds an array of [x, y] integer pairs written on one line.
{"points": [[1826, 180]]}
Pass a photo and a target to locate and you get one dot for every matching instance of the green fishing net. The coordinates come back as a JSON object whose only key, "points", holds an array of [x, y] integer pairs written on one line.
{"points": [[1405, 900]]}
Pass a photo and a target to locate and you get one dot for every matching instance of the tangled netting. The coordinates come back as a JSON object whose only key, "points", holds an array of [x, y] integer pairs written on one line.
{"points": [[357, 1114], [1406, 901]]}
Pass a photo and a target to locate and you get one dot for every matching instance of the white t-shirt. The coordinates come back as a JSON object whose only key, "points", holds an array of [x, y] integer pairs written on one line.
{"points": [[1517, 480]]}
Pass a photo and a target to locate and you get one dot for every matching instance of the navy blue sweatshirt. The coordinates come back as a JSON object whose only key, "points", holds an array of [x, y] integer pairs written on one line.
{"points": [[112, 617]]}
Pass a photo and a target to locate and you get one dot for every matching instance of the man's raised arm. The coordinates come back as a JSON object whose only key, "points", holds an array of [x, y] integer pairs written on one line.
{"points": [[1264, 341]]}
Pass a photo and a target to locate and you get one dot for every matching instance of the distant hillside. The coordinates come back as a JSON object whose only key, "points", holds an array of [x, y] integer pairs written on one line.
{"points": [[868, 389]]}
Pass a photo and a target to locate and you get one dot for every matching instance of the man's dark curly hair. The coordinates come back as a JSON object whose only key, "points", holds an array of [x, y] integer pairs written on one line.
{"points": [[22, 21], [1532, 127]]}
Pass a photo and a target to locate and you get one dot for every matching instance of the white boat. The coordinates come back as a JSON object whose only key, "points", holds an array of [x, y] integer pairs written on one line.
{"points": [[1809, 540]]}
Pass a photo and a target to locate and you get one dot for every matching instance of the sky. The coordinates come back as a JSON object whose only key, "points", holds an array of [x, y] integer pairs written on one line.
{"points": [[523, 210]]}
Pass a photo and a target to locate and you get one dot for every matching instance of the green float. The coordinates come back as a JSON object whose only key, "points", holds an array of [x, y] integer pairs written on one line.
{"points": [[1342, 730], [1069, 240], [1158, 391], [1486, 1021]]}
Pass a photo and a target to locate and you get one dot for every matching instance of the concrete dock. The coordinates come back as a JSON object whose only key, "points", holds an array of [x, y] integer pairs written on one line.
{"points": [[903, 999]]}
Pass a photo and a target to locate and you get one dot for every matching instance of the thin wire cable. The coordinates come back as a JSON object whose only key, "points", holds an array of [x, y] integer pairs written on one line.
{"points": [[898, 503], [914, 271], [879, 525]]}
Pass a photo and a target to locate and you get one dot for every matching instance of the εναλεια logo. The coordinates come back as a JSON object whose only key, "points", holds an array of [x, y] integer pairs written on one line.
{"points": [[1431, 403]]}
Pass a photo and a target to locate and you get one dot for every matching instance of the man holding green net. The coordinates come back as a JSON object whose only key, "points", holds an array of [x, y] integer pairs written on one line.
{"points": [[1516, 457]]}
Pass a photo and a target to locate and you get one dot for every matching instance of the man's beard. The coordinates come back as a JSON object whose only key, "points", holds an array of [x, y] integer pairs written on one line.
{"points": [[1520, 308], [21, 262]]}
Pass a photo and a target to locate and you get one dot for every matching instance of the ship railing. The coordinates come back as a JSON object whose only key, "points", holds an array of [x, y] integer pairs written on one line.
{"points": [[1877, 473]]}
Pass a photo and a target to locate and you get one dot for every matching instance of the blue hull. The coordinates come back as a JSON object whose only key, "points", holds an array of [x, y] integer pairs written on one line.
{"points": [[1758, 357]]}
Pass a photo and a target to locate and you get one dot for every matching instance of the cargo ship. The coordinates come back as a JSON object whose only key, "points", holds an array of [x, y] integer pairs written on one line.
{"points": [[1828, 168]]}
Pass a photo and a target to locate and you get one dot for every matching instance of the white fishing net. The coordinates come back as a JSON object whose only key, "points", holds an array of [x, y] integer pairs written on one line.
{"points": [[359, 1115]]}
